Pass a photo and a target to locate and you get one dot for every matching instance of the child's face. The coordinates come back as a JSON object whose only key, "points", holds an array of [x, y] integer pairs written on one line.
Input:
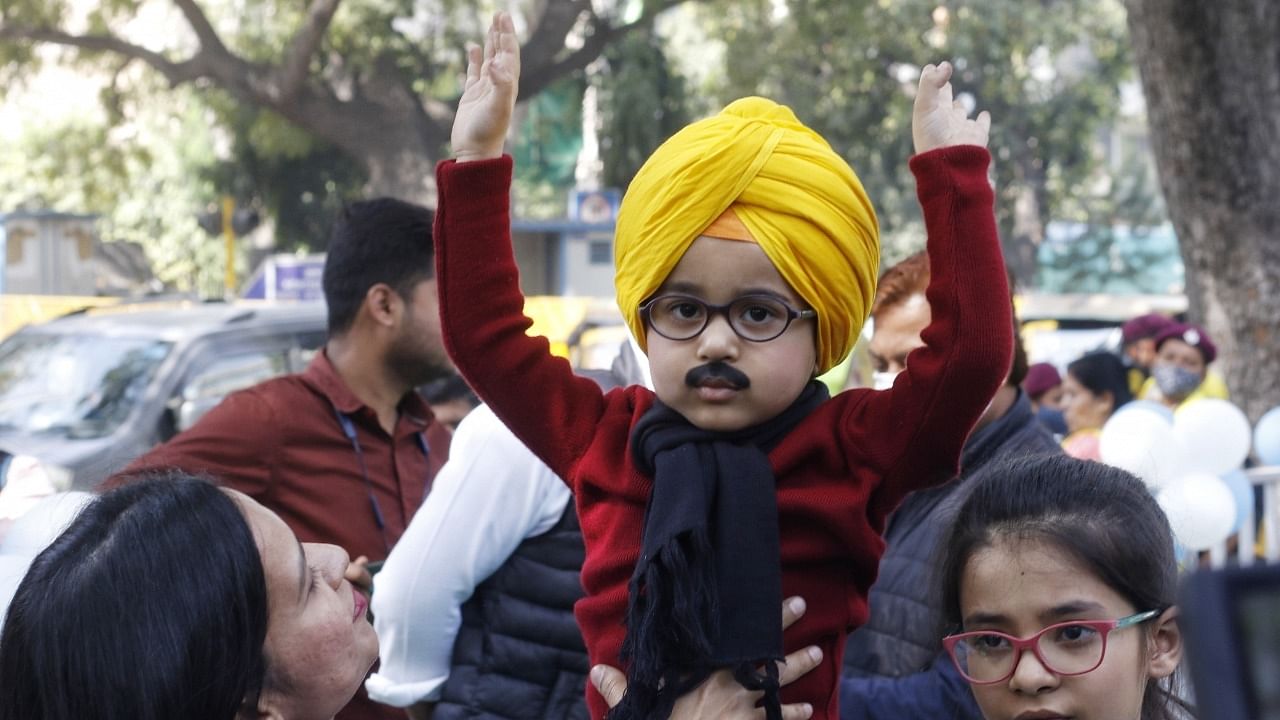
{"points": [[1019, 586], [718, 272]]}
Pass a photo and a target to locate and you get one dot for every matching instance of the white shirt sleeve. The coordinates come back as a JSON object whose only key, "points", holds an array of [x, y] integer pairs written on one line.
{"points": [[491, 495]]}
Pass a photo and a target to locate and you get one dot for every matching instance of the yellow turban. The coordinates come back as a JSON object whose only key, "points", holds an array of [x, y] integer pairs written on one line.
{"points": [[800, 200]]}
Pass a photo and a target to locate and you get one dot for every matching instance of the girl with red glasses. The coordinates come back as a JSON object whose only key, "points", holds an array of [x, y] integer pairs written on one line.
{"points": [[1059, 582]]}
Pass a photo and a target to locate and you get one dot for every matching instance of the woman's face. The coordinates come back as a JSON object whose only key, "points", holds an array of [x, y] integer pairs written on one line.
{"points": [[319, 644], [1181, 354], [1081, 408], [1019, 586]]}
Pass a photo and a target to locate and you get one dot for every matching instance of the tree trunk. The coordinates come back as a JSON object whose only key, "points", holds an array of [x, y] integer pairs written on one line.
{"points": [[1211, 73]]}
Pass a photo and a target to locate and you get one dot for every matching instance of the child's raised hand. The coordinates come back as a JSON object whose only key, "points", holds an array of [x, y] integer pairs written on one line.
{"points": [[493, 77], [938, 120]]}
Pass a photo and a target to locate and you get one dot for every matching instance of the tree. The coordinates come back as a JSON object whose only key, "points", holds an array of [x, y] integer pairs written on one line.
{"points": [[144, 190], [1049, 73], [1211, 75], [378, 81], [642, 103]]}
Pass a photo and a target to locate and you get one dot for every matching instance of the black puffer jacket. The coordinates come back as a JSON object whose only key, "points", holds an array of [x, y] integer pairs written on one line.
{"points": [[902, 636], [519, 654]]}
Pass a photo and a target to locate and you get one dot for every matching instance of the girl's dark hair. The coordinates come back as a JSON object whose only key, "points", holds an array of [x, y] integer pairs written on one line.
{"points": [[1102, 516], [1102, 372], [151, 605]]}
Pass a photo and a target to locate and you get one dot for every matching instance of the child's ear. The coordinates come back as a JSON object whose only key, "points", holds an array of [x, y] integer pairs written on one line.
{"points": [[1164, 644]]}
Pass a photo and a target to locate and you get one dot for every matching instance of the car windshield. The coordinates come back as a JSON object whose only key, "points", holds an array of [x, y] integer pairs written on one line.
{"points": [[81, 386]]}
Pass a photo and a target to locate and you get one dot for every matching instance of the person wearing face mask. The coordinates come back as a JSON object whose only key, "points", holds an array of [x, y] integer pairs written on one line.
{"points": [[895, 666], [1138, 346], [1180, 373]]}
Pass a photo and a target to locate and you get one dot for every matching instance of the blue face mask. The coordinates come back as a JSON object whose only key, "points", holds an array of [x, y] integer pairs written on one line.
{"points": [[1175, 383]]}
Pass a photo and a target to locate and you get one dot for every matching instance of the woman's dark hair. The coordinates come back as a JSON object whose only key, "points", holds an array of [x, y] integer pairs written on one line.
{"points": [[1102, 516], [151, 605], [383, 240], [1102, 372]]}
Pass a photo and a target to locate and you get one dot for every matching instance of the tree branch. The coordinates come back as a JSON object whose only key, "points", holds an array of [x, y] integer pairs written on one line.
{"points": [[297, 59], [546, 40], [536, 76], [199, 22], [175, 72]]}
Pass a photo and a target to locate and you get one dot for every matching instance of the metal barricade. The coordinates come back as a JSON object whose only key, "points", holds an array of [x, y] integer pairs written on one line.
{"points": [[1247, 551]]}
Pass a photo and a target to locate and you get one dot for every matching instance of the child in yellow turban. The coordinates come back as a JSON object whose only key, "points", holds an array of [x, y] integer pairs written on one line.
{"points": [[746, 258]]}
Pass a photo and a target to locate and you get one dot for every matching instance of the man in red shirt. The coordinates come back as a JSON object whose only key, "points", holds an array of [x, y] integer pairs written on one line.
{"points": [[345, 451]]}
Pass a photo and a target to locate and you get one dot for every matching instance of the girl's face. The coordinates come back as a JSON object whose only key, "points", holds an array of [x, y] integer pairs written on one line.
{"points": [[1020, 586]]}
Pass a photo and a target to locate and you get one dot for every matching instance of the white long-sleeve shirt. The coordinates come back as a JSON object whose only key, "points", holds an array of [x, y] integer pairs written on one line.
{"points": [[491, 495]]}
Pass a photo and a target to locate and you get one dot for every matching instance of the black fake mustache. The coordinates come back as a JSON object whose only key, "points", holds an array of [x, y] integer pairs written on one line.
{"points": [[735, 377]]}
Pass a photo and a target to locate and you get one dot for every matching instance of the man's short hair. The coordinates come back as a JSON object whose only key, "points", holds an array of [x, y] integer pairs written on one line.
{"points": [[383, 240]]}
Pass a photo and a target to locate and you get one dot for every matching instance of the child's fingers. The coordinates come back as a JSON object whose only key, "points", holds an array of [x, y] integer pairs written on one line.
{"points": [[984, 122], [797, 711], [508, 43], [475, 58]]}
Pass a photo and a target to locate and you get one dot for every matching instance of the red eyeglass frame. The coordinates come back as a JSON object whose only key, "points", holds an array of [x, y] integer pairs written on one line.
{"points": [[1032, 643]]}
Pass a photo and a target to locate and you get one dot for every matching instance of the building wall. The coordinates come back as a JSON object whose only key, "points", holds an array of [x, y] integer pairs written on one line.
{"points": [[49, 254]]}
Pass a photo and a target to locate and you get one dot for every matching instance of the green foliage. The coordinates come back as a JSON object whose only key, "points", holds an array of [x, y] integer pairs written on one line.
{"points": [[297, 180], [1048, 72], [546, 149], [1120, 240], [642, 102], [143, 190]]}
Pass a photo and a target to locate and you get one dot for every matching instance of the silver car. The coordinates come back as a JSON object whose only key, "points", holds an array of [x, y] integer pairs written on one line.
{"points": [[85, 394]]}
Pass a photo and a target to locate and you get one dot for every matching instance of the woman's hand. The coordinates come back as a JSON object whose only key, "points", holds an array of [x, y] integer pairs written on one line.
{"points": [[489, 96], [938, 120], [720, 696]]}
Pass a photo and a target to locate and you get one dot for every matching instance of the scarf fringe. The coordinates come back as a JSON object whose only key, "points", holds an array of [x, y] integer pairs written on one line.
{"points": [[764, 679], [671, 626]]}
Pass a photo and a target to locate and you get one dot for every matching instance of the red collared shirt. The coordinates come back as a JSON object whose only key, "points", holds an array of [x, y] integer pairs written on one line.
{"points": [[281, 443]]}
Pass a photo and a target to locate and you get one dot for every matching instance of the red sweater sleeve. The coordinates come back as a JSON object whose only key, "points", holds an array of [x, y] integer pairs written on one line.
{"points": [[536, 394], [916, 430]]}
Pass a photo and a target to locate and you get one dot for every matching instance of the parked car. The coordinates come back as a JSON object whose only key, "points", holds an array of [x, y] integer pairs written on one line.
{"points": [[87, 393]]}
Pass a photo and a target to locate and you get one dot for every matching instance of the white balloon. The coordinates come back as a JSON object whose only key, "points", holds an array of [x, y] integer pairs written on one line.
{"points": [[1142, 443], [1214, 436], [1201, 510]]}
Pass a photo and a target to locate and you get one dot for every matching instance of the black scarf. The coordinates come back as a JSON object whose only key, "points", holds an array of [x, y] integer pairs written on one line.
{"points": [[710, 534]]}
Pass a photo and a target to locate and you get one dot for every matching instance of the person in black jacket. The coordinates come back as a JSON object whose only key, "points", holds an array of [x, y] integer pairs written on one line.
{"points": [[894, 665]]}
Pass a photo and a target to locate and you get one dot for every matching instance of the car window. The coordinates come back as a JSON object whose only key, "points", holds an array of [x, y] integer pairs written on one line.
{"points": [[309, 343], [75, 385], [225, 375]]}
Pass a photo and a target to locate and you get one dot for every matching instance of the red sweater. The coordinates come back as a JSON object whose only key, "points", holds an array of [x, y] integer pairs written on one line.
{"points": [[839, 473]]}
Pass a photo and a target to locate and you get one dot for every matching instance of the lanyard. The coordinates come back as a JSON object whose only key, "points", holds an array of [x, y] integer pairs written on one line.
{"points": [[349, 429]]}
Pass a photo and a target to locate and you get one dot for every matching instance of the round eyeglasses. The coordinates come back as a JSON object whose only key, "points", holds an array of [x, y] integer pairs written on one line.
{"points": [[1077, 647], [755, 317]]}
